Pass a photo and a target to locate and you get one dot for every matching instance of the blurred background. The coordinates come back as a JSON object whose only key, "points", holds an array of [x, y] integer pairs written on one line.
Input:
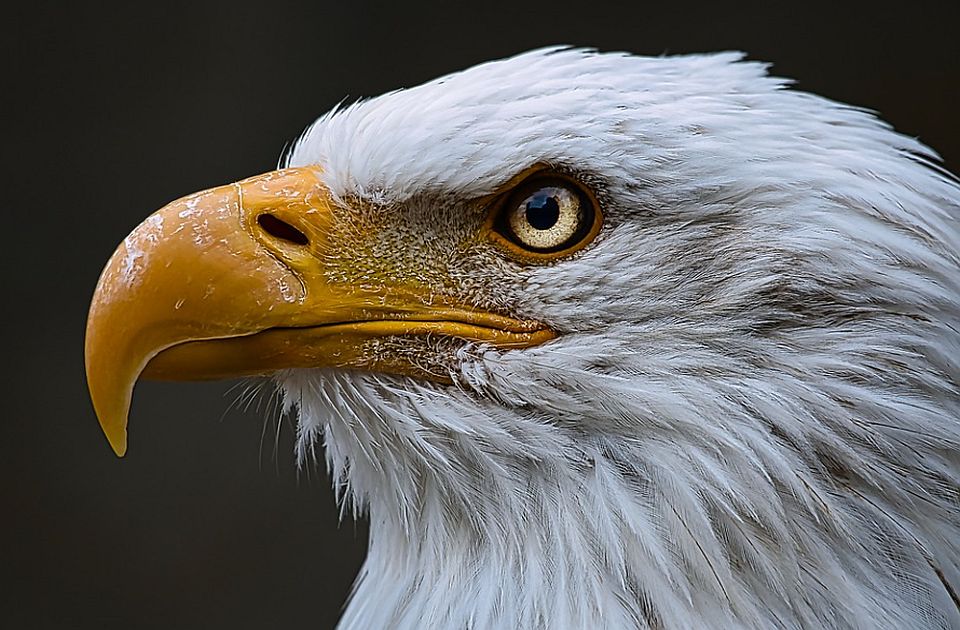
{"points": [[110, 112]]}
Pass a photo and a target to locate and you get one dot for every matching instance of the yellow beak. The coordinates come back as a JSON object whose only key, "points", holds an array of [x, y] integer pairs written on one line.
{"points": [[233, 281]]}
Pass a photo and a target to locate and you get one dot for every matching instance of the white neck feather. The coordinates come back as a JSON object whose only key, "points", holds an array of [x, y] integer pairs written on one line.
{"points": [[475, 522]]}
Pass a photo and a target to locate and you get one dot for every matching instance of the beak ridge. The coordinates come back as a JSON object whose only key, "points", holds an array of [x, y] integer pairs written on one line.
{"points": [[192, 270]]}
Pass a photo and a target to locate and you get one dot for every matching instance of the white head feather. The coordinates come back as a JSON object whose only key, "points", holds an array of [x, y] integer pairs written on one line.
{"points": [[751, 418]]}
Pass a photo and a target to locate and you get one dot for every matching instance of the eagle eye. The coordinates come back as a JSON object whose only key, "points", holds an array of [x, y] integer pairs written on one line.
{"points": [[546, 217]]}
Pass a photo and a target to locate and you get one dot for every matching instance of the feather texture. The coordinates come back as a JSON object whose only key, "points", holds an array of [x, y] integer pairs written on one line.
{"points": [[751, 417]]}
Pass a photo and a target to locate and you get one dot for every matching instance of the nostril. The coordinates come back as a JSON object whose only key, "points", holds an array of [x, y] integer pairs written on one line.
{"points": [[279, 228]]}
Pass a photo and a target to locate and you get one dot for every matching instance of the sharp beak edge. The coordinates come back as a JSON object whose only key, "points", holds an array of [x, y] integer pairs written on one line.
{"points": [[231, 282]]}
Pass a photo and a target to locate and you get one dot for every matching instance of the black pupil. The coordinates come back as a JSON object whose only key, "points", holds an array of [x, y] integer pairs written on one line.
{"points": [[543, 211]]}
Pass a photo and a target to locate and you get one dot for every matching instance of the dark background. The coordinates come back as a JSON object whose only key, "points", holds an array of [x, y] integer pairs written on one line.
{"points": [[110, 112]]}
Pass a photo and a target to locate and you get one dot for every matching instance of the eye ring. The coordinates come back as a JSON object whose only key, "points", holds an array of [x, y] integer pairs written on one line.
{"points": [[545, 217]]}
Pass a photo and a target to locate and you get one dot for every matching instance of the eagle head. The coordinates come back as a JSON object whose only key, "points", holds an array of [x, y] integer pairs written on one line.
{"points": [[595, 340]]}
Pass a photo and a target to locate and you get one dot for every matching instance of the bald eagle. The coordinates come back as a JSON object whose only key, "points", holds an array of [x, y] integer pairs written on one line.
{"points": [[595, 340]]}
